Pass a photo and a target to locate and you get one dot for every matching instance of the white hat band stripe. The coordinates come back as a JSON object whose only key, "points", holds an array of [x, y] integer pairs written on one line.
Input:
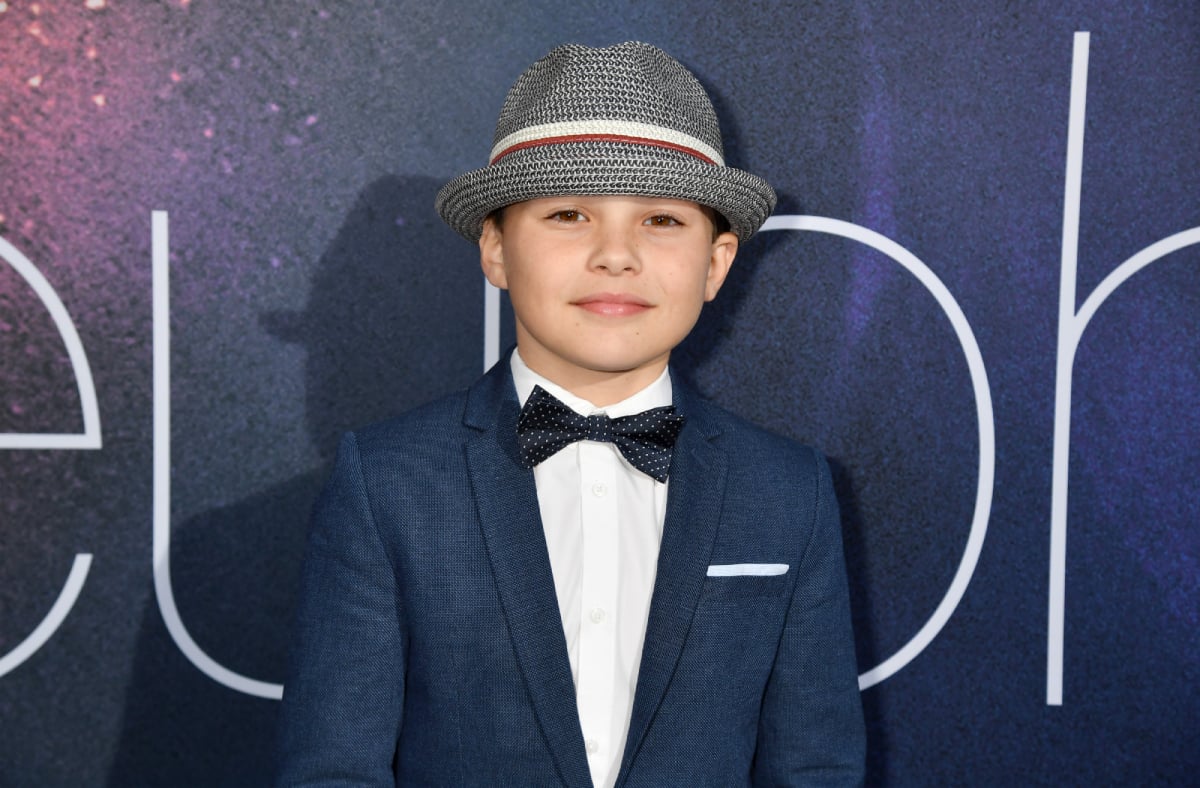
{"points": [[625, 131]]}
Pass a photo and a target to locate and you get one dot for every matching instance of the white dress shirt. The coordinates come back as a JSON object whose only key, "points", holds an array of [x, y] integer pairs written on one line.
{"points": [[603, 521]]}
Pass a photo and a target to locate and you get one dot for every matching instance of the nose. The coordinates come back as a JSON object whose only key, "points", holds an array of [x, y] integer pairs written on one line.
{"points": [[616, 251]]}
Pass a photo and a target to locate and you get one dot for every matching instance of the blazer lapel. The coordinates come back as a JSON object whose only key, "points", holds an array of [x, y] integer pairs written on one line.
{"points": [[693, 512], [508, 514]]}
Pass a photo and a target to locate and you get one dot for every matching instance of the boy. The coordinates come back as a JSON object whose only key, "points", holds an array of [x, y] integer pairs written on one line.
{"points": [[577, 572]]}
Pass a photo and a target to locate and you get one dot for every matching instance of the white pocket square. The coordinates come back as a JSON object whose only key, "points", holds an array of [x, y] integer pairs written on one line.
{"points": [[737, 570]]}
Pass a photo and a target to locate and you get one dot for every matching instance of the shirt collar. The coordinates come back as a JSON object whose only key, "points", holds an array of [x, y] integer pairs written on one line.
{"points": [[656, 395]]}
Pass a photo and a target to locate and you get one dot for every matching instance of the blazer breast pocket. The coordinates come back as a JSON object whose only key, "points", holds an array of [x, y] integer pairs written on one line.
{"points": [[736, 583]]}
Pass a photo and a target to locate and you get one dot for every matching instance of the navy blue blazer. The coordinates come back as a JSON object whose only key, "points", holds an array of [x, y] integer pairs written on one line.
{"points": [[429, 648]]}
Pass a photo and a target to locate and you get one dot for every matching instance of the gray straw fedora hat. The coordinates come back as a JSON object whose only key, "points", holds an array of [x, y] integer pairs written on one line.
{"points": [[627, 119]]}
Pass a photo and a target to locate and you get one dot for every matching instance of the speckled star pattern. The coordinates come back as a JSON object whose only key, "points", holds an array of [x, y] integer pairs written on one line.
{"points": [[297, 147]]}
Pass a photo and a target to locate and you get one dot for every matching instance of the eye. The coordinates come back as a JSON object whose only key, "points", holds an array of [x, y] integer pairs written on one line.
{"points": [[567, 215], [663, 220]]}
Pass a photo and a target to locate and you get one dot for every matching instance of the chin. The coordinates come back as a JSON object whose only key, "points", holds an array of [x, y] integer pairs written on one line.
{"points": [[617, 364]]}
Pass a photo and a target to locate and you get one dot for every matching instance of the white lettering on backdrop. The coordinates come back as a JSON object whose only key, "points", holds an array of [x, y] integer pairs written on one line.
{"points": [[1071, 327]]}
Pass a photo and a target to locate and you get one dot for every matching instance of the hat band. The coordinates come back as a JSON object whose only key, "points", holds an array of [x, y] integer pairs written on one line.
{"points": [[606, 131]]}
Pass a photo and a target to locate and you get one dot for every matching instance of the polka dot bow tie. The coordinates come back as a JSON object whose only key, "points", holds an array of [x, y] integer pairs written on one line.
{"points": [[547, 426]]}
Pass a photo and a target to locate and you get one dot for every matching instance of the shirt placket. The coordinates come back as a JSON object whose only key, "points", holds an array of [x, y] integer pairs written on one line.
{"points": [[598, 601]]}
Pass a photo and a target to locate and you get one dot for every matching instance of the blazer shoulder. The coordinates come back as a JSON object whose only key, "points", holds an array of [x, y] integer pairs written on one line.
{"points": [[743, 437]]}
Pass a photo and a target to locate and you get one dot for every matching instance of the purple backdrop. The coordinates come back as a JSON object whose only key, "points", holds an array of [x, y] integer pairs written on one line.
{"points": [[912, 331]]}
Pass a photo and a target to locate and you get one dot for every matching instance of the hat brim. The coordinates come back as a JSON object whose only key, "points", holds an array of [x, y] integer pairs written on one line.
{"points": [[607, 168]]}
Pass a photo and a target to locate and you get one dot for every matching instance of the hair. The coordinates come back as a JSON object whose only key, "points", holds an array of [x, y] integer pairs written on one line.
{"points": [[719, 223]]}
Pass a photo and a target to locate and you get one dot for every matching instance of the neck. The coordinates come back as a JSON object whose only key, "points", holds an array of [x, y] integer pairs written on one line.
{"points": [[599, 387]]}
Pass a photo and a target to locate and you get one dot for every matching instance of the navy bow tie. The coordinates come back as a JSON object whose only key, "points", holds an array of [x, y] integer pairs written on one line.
{"points": [[546, 426]]}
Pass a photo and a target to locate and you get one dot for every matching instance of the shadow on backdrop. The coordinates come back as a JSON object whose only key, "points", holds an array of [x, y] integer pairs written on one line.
{"points": [[394, 319], [858, 573]]}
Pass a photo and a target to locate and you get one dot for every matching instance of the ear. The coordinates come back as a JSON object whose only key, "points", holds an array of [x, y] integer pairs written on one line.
{"points": [[491, 254], [724, 249]]}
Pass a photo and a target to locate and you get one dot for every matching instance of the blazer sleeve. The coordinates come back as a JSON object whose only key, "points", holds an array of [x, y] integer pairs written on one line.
{"points": [[811, 728], [344, 692]]}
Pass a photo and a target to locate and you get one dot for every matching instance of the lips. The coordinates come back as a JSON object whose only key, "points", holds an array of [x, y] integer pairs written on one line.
{"points": [[613, 304]]}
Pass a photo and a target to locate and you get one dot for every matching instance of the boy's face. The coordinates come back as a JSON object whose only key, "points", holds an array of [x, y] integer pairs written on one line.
{"points": [[604, 287]]}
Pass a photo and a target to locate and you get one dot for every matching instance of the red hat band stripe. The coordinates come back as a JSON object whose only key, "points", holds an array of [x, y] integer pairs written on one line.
{"points": [[602, 138]]}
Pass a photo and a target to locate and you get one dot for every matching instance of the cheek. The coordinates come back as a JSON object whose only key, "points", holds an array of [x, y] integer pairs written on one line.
{"points": [[688, 299], [698, 285], [534, 294]]}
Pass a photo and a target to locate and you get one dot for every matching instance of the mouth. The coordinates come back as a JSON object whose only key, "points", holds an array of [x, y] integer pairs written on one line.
{"points": [[613, 304]]}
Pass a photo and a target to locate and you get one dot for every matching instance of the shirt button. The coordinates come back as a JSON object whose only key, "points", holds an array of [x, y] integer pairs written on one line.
{"points": [[599, 490], [593, 746], [597, 615]]}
